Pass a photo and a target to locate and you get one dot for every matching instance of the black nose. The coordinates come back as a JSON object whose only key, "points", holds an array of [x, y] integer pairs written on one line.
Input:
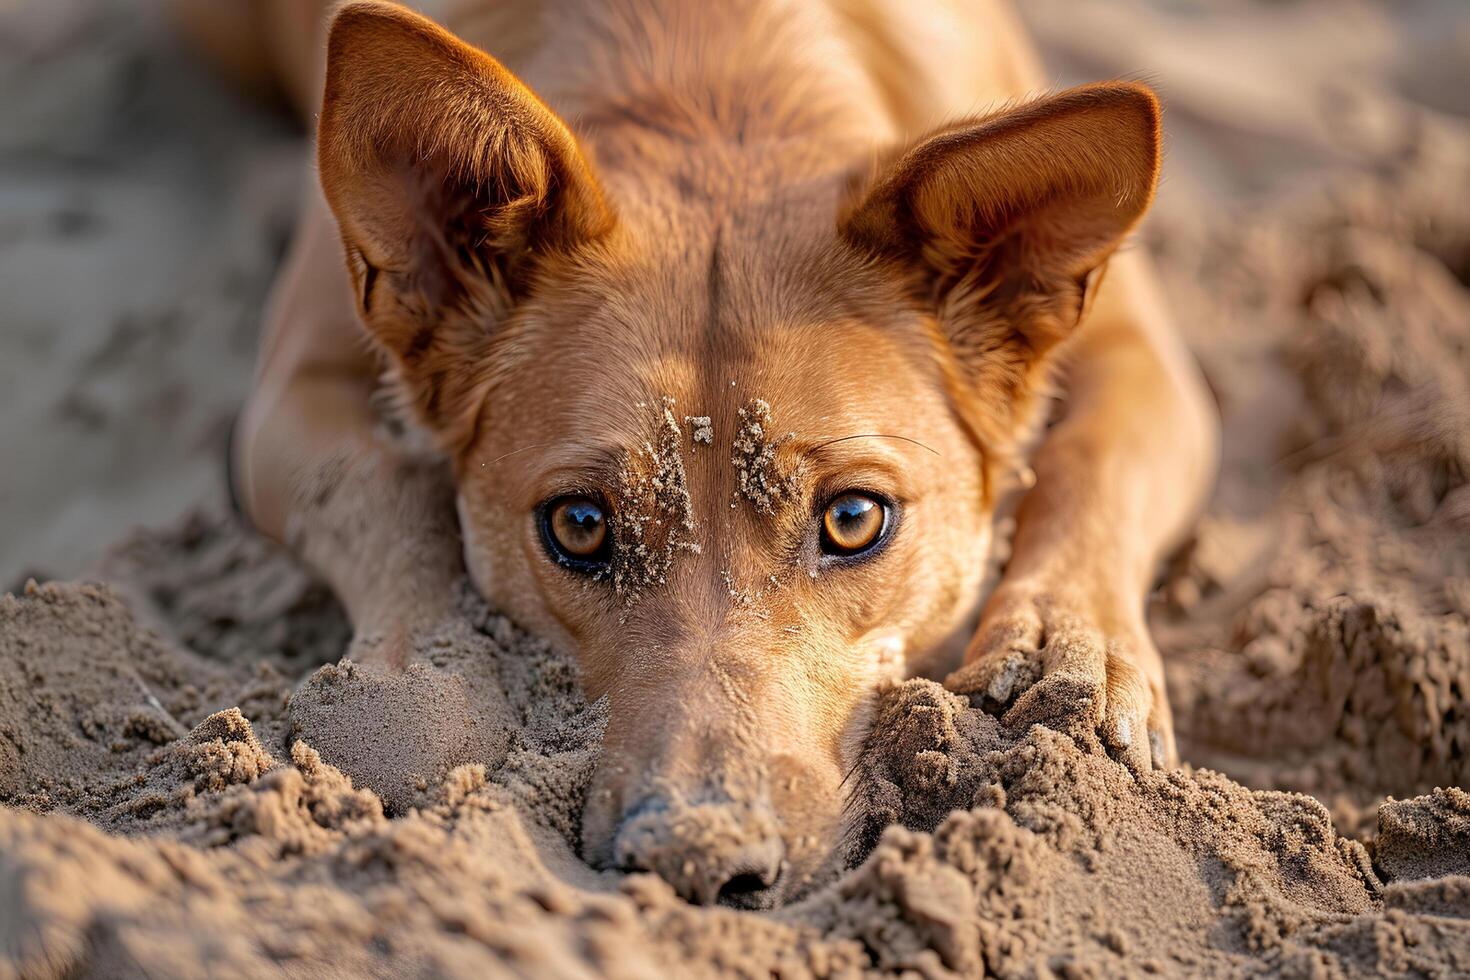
{"points": [[709, 852]]}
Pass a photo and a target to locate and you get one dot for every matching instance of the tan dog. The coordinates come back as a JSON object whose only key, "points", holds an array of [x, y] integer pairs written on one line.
{"points": [[734, 335]]}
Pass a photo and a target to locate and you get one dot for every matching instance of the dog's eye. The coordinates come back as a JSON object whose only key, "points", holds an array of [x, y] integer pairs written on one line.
{"points": [[576, 530], [852, 523]]}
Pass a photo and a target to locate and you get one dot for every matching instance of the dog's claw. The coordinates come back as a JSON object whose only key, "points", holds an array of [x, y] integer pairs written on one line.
{"points": [[1158, 751], [1122, 733]]}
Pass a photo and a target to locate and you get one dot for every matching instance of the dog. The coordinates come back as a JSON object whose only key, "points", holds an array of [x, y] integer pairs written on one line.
{"points": [[729, 332]]}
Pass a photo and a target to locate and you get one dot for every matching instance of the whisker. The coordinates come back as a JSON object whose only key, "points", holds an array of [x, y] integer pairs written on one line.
{"points": [[875, 435], [539, 445]]}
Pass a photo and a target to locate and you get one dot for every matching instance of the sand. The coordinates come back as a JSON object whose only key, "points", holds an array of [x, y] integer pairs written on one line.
{"points": [[757, 477], [658, 516], [193, 779]]}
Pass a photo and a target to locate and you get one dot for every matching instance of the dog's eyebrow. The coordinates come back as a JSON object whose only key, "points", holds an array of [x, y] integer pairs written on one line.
{"points": [[872, 435]]}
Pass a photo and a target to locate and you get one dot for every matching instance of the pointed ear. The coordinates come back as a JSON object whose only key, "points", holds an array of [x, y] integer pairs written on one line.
{"points": [[449, 180], [1003, 221]]}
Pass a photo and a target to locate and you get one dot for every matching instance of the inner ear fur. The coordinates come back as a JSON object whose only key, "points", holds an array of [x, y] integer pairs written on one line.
{"points": [[1001, 222], [449, 179]]}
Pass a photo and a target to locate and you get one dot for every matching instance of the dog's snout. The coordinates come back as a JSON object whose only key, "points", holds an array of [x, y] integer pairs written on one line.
{"points": [[714, 852]]}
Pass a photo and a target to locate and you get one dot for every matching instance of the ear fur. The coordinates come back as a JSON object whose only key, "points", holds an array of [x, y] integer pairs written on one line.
{"points": [[1002, 221], [447, 177]]}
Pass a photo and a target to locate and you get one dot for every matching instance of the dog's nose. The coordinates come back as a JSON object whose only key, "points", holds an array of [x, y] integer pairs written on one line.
{"points": [[726, 853]]}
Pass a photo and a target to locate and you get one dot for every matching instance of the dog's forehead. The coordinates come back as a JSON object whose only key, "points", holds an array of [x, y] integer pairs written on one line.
{"points": [[684, 302], [712, 325], [616, 377], [685, 381]]}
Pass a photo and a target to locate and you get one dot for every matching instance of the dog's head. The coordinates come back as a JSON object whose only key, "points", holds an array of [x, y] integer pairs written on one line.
{"points": [[726, 426]]}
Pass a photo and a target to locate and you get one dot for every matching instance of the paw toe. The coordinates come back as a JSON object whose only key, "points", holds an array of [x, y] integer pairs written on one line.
{"points": [[1065, 700], [996, 681], [1127, 728]]}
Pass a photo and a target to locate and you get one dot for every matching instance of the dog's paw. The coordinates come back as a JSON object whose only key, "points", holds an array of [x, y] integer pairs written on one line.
{"points": [[393, 647], [1037, 659]]}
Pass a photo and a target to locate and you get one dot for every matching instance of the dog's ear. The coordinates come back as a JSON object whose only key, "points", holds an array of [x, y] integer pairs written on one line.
{"points": [[1004, 221], [450, 181]]}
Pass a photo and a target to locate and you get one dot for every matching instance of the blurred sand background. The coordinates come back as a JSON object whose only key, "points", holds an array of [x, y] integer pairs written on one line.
{"points": [[144, 205]]}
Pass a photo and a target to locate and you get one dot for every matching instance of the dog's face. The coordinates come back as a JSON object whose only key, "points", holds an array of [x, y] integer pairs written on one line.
{"points": [[732, 482], [734, 445]]}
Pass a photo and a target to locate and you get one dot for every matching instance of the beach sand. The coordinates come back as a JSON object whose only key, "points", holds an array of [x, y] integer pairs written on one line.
{"points": [[192, 778]]}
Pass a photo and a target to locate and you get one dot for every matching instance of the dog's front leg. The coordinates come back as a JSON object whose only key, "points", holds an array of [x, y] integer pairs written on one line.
{"points": [[1063, 640], [315, 470]]}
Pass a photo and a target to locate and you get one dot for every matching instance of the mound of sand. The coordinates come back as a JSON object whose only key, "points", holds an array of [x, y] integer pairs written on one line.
{"points": [[191, 778], [165, 850]]}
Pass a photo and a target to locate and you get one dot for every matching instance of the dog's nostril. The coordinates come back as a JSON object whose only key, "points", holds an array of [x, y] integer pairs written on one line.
{"points": [[750, 881], [745, 886]]}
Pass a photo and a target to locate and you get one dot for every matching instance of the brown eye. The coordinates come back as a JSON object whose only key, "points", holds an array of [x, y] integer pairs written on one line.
{"points": [[576, 530], [852, 523]]}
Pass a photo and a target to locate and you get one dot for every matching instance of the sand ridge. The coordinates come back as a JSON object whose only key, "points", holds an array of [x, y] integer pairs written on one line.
{"points": [[1021, 852]]}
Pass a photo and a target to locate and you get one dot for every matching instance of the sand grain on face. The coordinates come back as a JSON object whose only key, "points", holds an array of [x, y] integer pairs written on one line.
{"points": [[655, 515], [702, 430], [758, 477]]}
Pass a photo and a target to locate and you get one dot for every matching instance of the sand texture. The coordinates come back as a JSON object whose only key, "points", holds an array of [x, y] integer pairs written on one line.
{"points": [[193, 781]]}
